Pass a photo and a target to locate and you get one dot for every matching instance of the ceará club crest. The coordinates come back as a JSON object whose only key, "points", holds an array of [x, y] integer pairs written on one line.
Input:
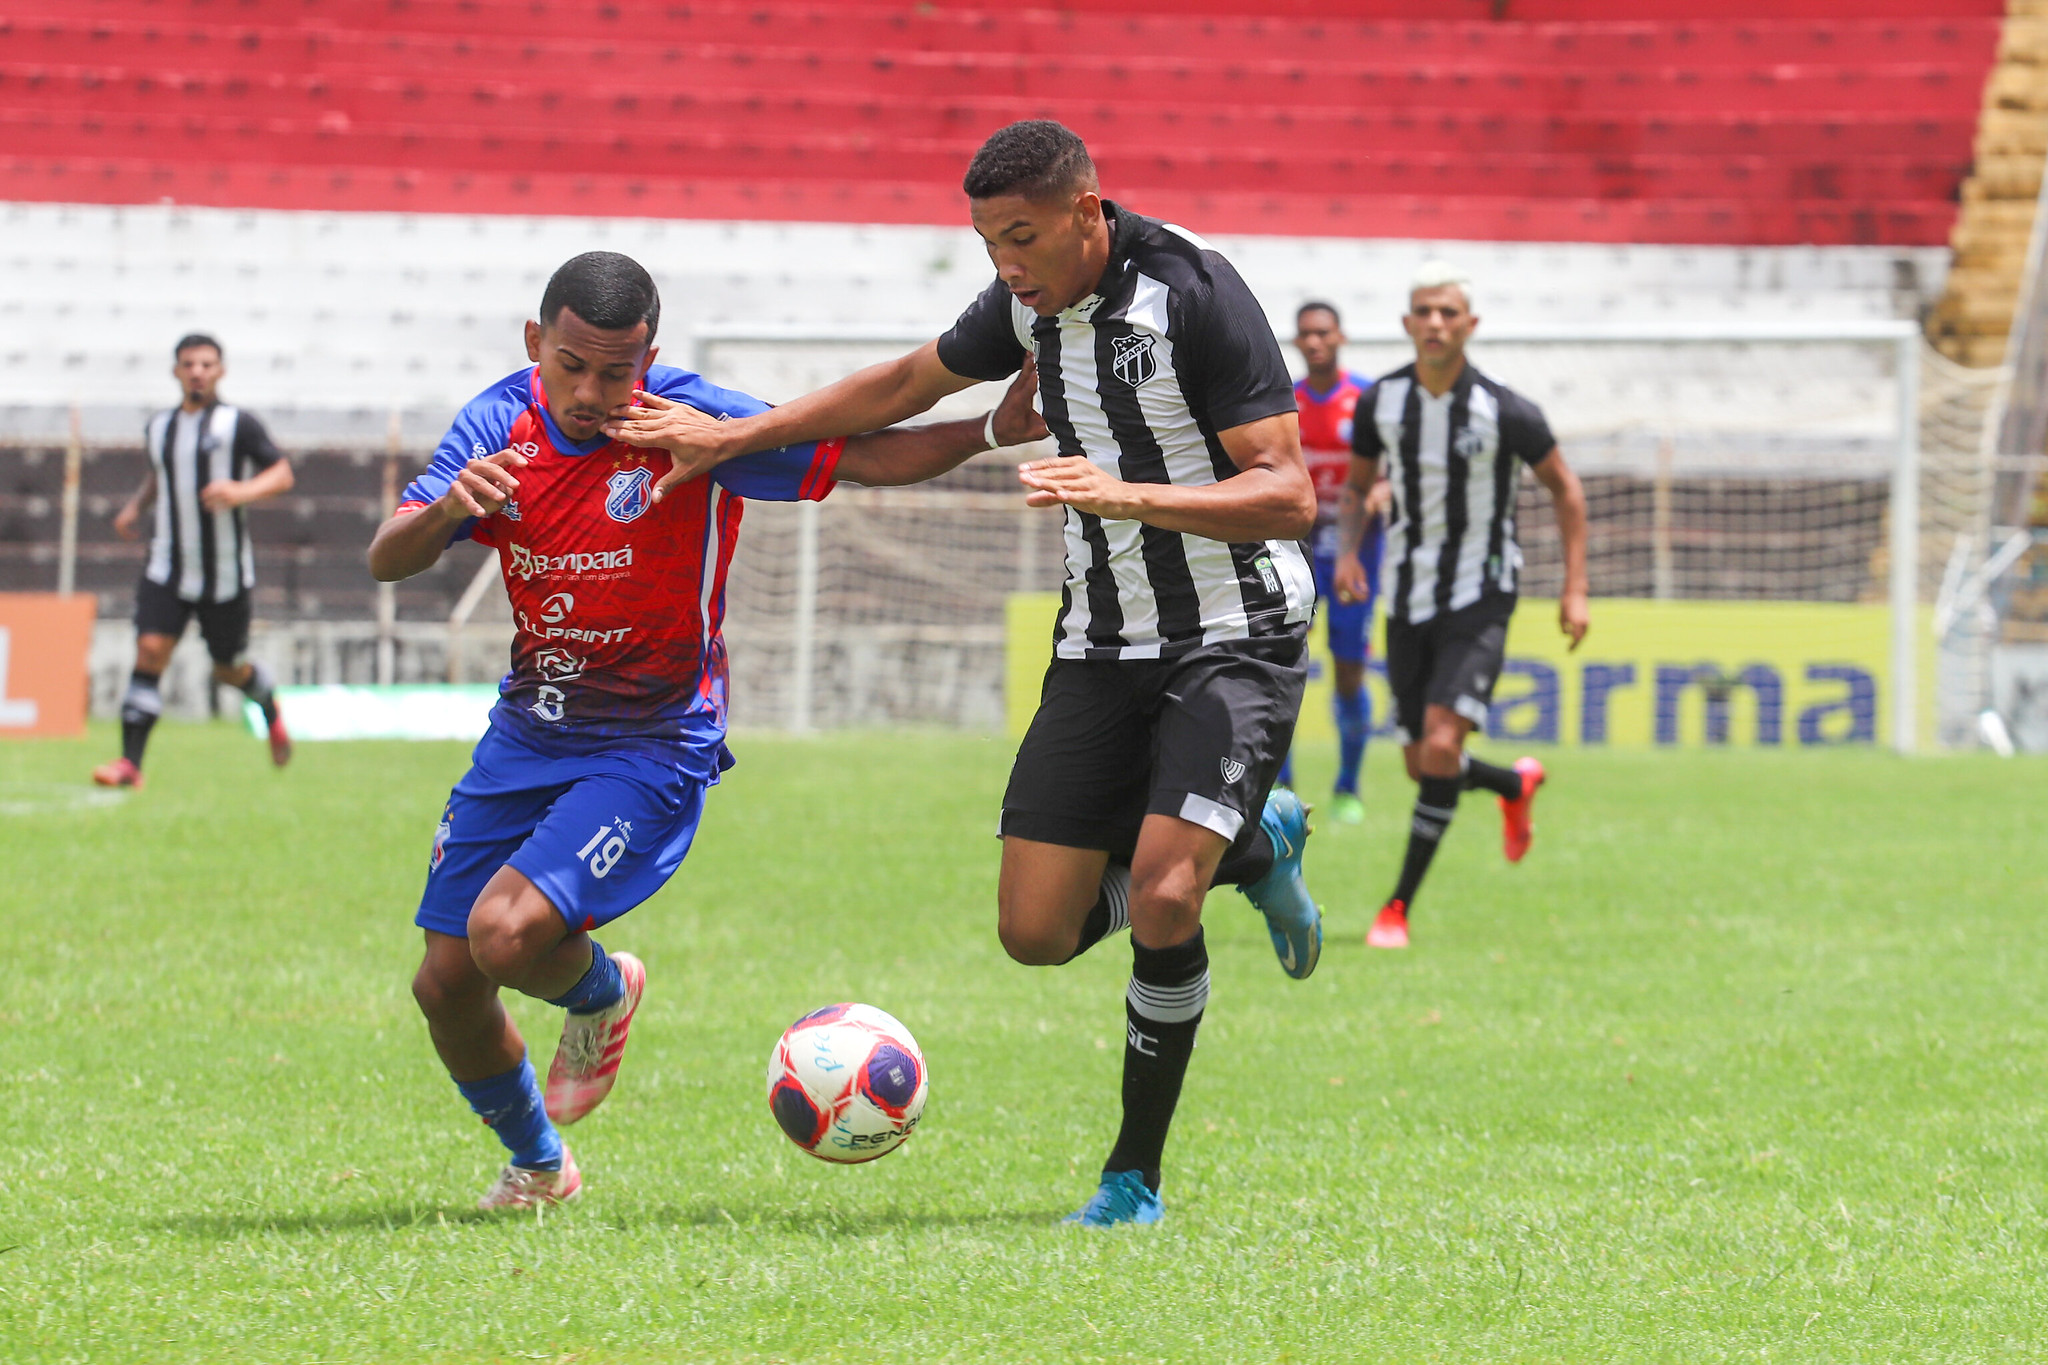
{"points": [[628, 493]]}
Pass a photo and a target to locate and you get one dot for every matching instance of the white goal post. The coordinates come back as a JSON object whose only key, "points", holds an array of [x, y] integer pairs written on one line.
{"points": [[1794, 447]]}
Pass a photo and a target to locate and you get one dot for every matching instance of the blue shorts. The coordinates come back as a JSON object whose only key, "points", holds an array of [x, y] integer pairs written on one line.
{"points": [[1349, 623], [597, 833]]}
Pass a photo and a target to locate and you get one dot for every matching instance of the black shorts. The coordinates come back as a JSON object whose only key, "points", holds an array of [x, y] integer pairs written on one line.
{"points": [[1200, 737], [225, 625], [1452, 659]]}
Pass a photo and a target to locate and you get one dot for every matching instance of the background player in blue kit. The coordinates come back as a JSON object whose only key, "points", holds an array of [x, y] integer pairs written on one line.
{"points": [[584, 795], [1327, 397]]}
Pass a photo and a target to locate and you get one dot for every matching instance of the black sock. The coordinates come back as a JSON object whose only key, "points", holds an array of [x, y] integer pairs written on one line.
{"points": [[1481, 775], [1162, 1009], [140, 706], [1111, 913], [261, 689], [1247, 860], [1435, 804]]}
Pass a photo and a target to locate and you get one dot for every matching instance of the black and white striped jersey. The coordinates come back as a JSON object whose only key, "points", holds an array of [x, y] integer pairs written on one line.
{"points": [[200, 555], [1453, 464], [1139, 377]]}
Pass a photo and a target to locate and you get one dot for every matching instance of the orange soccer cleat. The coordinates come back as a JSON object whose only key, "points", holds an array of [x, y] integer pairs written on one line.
{"points": [[119, 773], [1390, 930], [586, 1062], [1516, 828], [280, 741]]}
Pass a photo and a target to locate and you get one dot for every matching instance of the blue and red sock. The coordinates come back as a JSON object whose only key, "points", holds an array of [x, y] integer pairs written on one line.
{"points": [[599, 988]]}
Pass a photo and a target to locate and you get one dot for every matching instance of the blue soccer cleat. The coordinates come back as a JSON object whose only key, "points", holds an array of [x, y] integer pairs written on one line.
{"points": [[1281, 895], [1123, 1197]]}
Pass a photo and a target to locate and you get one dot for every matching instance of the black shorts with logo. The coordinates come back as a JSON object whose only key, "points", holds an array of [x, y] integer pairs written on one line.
{"points": [[225, 625], [1200, 736], [1453, 659]]}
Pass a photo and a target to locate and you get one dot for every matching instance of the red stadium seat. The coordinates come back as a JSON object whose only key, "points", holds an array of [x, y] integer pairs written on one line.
{"points": [[1723, 121]]}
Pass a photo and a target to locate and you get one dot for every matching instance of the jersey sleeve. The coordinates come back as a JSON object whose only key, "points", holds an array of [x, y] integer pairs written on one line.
{"points": [[1232, 359], [1524, 431], [983, 343], [484, 427], [1365, 427], [798, 473], [253, 443]]}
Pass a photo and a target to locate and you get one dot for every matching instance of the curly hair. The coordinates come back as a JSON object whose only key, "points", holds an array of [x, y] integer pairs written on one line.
{"points": [[1034, 158]]}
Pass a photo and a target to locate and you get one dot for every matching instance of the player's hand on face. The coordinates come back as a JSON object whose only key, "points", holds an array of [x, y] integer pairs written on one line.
{"points": [[1074, 481], [483, 487], [1017, 422], [691, 438], [1573, 616], [221, 495], [1349, 581]]}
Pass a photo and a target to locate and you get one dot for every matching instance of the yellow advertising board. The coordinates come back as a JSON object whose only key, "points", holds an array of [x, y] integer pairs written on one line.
{"points": [[1774, 674]]}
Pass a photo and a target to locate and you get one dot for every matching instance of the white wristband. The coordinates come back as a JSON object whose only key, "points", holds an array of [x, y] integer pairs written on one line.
{"points": [[988, 430]]}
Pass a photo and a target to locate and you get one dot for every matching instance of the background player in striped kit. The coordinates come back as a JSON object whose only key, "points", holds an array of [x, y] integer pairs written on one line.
{"points": [[1328, 397], [1180, 653], [1455, 442], [207, 461]]}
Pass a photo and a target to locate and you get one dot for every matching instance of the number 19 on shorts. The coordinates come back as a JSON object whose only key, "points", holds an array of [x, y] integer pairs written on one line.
{"points": [[606, 847]]}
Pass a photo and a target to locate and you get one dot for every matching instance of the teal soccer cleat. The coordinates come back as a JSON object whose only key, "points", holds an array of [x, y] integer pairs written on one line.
{"points": [[1121, 1198], [1281, 895]]}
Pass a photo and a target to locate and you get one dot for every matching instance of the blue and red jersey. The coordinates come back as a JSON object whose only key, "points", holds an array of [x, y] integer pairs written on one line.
{"points": [[618, 601], [1326, 446]]}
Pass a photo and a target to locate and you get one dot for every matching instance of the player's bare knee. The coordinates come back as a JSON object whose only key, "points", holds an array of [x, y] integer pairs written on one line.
{"points": [[440, 990], [1166, 907], [1036, 940]]}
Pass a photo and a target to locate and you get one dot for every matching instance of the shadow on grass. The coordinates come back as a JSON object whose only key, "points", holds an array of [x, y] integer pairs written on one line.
{"points": [[829, 1222]]}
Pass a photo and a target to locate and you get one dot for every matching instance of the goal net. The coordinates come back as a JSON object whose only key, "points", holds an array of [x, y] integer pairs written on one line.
{"points": [[1789, 464]]}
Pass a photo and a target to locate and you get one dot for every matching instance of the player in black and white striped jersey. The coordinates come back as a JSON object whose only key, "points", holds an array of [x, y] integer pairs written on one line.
{"points": [[1180, 650], [207, 461], [1454, 442]]}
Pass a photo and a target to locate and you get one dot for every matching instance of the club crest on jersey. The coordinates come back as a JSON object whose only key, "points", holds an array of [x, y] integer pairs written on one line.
{"points": [[627, 500], [1132, 360], [1471, 441], [441, 833]]}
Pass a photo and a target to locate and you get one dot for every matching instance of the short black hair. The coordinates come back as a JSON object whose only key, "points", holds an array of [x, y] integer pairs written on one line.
{"points": [[1035, 158], [612, 293], [1318, 306], [192, 339]]}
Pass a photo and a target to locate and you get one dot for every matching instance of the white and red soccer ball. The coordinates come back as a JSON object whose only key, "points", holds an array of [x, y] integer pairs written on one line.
{"points": [[847, 1083]]}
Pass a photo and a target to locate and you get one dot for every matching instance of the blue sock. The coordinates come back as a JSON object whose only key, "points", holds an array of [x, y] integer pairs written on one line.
{"points": [[1286, 777], [510, 1105], [600, 988], [1354, 723]]}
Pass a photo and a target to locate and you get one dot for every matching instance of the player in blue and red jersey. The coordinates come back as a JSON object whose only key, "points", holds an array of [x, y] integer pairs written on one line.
{"points": [[1327, 397], [583, 796]]}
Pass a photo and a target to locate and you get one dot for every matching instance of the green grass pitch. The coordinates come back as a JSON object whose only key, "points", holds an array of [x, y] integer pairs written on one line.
{"points": [[1744, 1064]]}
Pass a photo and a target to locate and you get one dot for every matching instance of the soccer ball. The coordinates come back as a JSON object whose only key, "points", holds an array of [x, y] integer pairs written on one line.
{"points": [[847, 1083]]}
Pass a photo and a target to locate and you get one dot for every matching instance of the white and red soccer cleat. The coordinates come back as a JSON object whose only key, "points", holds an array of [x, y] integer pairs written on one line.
{"points": [[119, 773], [586, 1064], [280, 741], [1390, 930], [1516, 828], [519, 1188]]}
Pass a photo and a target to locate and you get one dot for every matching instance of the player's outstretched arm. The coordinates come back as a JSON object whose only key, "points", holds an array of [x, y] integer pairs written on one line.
{"points": [[413, 541], [867, 400], [1269, 498], [1568, 498], [901, 455]]}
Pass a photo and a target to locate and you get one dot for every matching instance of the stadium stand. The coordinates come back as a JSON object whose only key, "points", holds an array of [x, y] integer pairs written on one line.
{"points": [[1557, 122]]}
